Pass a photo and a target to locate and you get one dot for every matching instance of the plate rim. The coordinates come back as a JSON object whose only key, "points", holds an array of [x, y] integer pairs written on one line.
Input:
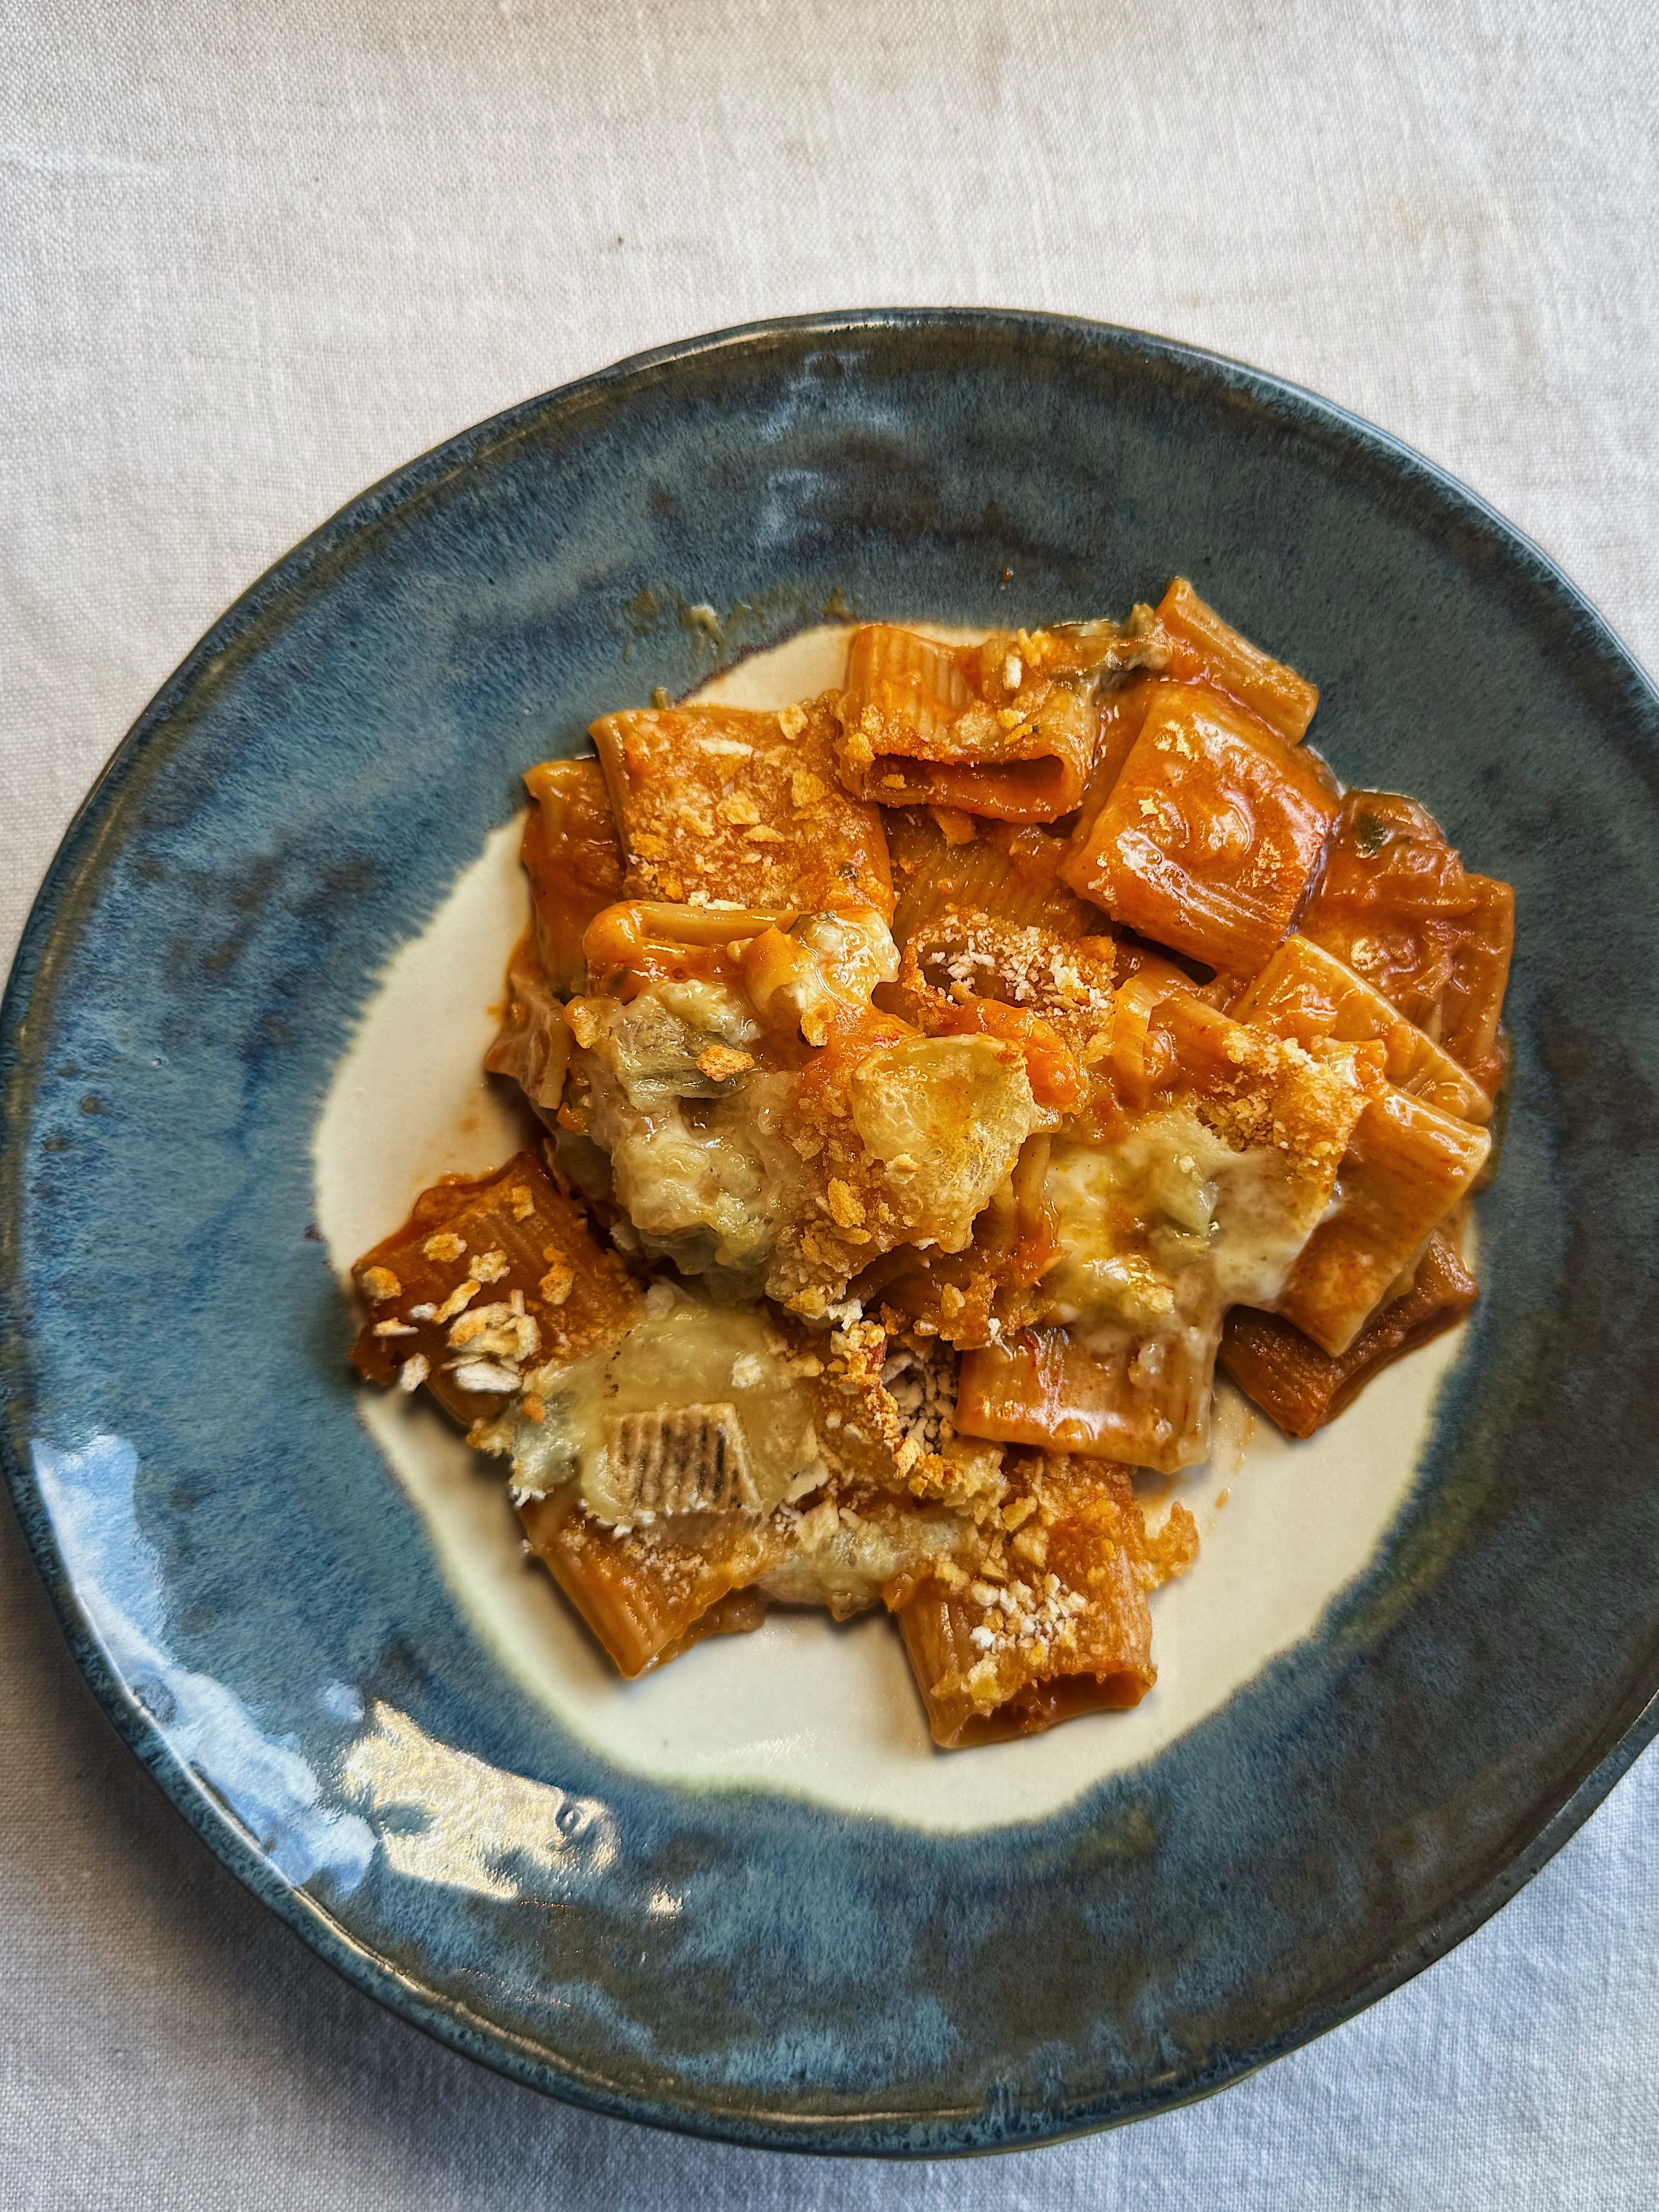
{"points": [[61, 900]]}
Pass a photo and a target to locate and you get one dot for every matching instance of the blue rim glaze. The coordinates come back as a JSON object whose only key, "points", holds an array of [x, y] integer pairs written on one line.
{"points": [[1434, 1744]]}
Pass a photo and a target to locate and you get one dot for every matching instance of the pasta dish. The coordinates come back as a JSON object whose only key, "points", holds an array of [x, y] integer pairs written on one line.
{"points": [[927, 1087]]}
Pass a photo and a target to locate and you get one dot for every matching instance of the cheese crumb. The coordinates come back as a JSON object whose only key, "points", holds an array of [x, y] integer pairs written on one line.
{"points": [[718, 1061], [379, 1284], [845, 1209], [484, 1375], [462, 1295], [445, 1245]]}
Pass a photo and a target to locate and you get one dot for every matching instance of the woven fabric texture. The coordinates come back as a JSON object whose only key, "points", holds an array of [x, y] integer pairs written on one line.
{"points": [[251, 257]]}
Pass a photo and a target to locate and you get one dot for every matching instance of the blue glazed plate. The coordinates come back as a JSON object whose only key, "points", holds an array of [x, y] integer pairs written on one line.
{"points": [[745, 1898]]}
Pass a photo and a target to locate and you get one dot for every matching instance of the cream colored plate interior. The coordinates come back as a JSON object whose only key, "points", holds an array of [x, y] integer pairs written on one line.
{"points": [[803, 1706]]}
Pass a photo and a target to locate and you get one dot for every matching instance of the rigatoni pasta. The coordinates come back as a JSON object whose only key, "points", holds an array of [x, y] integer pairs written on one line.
{"points": [[1006, 729], [926, 1085]]}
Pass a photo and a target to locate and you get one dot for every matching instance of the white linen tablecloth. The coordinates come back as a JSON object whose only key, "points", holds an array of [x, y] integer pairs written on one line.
{"points": [[251, 256]]}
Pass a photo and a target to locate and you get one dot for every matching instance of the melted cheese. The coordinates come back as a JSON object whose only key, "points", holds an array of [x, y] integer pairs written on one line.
{"points": [[1170, 1196], [946, 1116], [696, 1161], [842, 1559], [822, 962], [692, 1356]]}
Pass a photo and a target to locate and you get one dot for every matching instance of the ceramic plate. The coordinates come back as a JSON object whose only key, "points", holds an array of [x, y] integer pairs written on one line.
{"points": [[746, 1897]]}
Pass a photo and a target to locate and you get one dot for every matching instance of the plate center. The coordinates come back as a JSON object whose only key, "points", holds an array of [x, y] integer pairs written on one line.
{"points": [[805, 1706]]}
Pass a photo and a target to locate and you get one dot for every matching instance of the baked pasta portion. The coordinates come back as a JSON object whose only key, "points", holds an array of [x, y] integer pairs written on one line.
{"points": [[925, 1087]]}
